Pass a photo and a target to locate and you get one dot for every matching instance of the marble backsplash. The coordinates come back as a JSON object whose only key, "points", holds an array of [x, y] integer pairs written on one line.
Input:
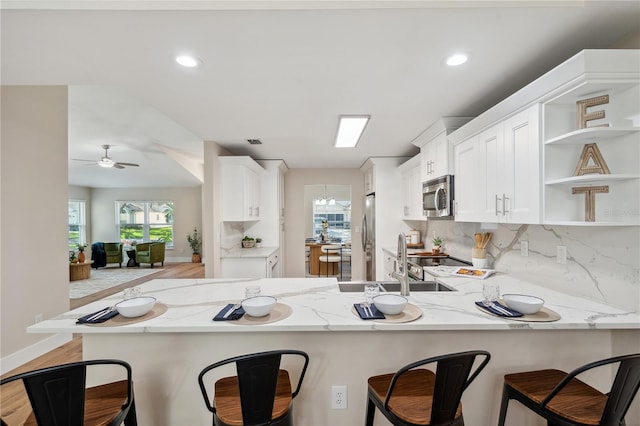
{"points": [[603, 263]]}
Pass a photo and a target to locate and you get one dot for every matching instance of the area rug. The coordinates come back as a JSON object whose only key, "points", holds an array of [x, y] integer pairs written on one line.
{"points": [[104, 278]]}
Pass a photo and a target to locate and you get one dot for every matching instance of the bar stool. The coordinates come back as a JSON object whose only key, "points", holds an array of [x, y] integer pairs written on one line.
{"points": [[563, 400], [332, 255], [58, 395], [259, 394], [417, 396]]}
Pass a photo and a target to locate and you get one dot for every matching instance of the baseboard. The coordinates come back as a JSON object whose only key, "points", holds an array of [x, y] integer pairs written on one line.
{"points": [[32, 352]]}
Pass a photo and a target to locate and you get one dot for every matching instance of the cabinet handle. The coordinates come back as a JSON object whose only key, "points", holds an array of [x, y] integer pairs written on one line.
{"points": [[497, 199], [257, 211], [250, 211], [504, 204]]}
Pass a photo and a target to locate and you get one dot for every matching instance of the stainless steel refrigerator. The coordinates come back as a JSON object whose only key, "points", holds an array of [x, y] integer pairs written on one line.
{"points": [[369, 237]]}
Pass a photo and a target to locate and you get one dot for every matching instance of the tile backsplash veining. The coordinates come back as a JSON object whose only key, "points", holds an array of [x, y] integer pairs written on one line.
{"points": [[231, 235], [603, 263]]}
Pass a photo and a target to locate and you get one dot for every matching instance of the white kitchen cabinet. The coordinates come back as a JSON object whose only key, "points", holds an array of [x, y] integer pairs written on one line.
{"points": [[240, 177], [436, 152], [369, 178], [251, 267], [619, 145], [498, 172], [532, 183], [411, 176]]}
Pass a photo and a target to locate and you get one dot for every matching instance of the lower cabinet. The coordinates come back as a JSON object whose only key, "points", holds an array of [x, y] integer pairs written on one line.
{"points": [[251, 267]]}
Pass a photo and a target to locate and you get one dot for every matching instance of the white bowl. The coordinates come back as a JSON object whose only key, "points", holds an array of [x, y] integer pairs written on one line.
{"points": [[135, 307], [523, 303], [390, 304], [258, 306]]}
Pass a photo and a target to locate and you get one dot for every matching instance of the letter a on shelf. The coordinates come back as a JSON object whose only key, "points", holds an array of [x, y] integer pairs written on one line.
{"points": [[591, 161]]}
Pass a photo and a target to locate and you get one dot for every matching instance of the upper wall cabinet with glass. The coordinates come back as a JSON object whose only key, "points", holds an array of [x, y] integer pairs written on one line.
{"points": [[592, 172]]}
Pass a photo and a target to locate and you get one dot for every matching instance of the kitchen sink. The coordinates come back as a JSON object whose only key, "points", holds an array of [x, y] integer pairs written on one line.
{"points": [[393, 286]]}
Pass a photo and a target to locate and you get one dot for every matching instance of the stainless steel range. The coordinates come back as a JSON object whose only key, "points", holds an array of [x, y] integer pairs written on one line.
{"points": [[438, 265]]}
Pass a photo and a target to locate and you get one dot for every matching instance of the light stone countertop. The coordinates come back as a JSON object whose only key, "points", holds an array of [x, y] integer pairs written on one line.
{"points": [[248, 252], [319, 306]]}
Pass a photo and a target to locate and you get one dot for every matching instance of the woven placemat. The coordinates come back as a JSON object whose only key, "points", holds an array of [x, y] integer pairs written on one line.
{"points": [[410, 313], [543, 315], [279, 312], [117, 321]]}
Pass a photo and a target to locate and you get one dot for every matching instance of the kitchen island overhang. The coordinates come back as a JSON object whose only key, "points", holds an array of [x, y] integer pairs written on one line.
{"points": [[168, 352]]}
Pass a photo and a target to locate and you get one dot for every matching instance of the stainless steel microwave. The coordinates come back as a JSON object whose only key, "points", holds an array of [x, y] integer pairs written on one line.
{"points": [[437, 197]]}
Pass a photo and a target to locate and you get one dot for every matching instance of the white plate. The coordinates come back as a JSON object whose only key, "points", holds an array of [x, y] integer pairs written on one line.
{"points": [[470, 272]]}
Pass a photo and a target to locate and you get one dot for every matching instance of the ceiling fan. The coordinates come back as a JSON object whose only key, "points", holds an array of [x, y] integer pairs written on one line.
{"points": [[108, 162]]}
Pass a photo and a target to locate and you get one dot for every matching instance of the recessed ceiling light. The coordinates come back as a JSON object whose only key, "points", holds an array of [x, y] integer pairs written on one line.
{"points": [[187, 61], [457, 59], [350, 129]]}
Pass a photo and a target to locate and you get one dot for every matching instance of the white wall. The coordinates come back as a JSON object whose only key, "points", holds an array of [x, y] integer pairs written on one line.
{"points": [[35, 268], [187, 213], [294, 184]]}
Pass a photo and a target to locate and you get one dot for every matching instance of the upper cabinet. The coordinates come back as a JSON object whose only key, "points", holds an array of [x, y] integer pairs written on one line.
{"points": [[240, 179], [435, 151], [562, 150], [411, 175], [498, 172]]}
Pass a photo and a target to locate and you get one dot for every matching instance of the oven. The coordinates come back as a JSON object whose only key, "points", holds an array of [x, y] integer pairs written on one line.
{"points": [[437, 198], [443, 264]]}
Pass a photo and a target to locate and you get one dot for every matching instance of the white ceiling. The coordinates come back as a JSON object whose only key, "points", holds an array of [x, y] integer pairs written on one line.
{"points": [[282, 72]]}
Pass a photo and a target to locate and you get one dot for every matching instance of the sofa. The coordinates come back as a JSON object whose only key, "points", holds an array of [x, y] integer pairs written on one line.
{"points": [[104, 253], [151, 252]]}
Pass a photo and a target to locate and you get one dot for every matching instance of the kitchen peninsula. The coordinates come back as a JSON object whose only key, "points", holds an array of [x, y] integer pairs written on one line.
{"points": [[168, 352]]}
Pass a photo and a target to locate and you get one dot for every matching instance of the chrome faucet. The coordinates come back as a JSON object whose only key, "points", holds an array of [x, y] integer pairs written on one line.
{"points": [[401, 266]]}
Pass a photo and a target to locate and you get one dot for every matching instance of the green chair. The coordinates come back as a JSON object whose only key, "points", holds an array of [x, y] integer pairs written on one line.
{"points": [[114, 253], [152, 252]]}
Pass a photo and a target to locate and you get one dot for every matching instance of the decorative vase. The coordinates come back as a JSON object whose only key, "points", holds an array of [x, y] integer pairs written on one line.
{"points": [[435, 250], [196, 258], [81, 257]]}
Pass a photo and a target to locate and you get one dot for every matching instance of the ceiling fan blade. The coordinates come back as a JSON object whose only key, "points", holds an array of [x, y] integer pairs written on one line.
{"points": [[128, 164], [118, 166], [78, 159]]}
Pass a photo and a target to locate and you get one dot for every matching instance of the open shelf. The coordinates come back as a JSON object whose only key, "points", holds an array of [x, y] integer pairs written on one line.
{"points": [[592, 135]]}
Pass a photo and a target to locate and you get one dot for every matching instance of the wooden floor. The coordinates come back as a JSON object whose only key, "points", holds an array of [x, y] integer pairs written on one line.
{"points": [[14, 404]]}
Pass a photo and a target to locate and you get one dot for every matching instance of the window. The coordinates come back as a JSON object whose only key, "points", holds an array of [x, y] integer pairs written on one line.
{"points": [[145, 221], [77, 224]]}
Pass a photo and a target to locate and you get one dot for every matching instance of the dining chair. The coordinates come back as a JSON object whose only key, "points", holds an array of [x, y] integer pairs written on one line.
{"points": [[564, 400], [58, 396], [418, 396], [260, 393], [331, 255]]}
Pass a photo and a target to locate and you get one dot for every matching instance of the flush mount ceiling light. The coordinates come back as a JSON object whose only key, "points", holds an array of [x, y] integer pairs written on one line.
{"points": [[350, 129], [457, 59], [187, 61]]}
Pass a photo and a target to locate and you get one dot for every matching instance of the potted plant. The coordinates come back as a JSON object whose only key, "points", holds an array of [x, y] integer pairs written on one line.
{"points": [[248, 242], [437, 245], [258, 242], [195, 243], [81, 256]]}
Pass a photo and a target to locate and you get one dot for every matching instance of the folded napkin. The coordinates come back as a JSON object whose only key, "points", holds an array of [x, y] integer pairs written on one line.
{"points": [[500, 310], [376, 314], [235, 315], [107, 312]]}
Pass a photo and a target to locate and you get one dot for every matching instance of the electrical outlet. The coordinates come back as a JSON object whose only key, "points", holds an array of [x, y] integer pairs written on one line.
{"points": [[37, 318], [339, 397], [561, 252], [524, 248]]}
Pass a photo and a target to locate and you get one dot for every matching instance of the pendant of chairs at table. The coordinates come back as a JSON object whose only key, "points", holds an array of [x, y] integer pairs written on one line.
{"points": [[255, 390]]}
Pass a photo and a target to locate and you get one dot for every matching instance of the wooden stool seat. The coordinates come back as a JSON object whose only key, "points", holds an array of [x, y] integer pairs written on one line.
{"points": [[417, 396], [412, 397], [100, 404], [564, 400], [227, 399], [578, 402]]}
